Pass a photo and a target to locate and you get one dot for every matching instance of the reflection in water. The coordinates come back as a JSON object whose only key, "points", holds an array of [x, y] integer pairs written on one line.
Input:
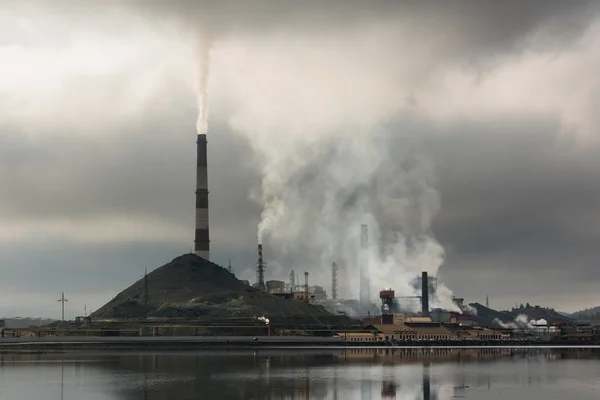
{"points": [[415, 374]]}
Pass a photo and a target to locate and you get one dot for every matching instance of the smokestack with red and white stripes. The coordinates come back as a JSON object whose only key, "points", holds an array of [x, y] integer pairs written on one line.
{"points": [[201, 240]]}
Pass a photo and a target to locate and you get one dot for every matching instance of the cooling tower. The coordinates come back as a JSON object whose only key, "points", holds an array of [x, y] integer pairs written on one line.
{"points": [[201, 240]]}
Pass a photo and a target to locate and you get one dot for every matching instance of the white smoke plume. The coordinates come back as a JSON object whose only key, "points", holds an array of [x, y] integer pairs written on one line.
{"points": [[521, 322], [263, 319], [316, 196], [469, 309], [204, 46]]}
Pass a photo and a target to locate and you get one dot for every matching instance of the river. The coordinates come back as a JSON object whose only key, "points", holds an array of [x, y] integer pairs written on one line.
{"points": [[341, 374]]}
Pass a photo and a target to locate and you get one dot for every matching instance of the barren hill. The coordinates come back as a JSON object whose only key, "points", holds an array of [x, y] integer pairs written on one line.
{"points": [[190, 286]]}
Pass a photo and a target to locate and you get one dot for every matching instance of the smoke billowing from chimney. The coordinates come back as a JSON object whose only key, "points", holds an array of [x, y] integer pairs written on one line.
{"points": [[329, 161], [203, 74]]}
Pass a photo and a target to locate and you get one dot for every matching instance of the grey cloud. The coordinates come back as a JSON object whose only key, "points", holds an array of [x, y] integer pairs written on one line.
{"points": [[518, 203], [474, 26], [519, 209]]}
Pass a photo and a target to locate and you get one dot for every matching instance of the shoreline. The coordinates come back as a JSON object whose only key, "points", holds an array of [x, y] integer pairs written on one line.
{"points": [[172, 343]]}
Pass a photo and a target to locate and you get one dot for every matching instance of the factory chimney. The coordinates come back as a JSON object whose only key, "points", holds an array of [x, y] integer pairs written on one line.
{"points": [[201, 241], [260, 271], [306, 287], [424, 294], [365, 281], [334, 281]]}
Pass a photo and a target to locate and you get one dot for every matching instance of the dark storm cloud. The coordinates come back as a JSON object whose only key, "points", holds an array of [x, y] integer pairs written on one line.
{"points": [[464, 26], [520, 208]]}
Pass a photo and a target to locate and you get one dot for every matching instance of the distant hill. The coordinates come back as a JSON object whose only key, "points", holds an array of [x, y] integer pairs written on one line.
{"points": [[588, 313], [487, 316], [537, 313], [190, 286]]}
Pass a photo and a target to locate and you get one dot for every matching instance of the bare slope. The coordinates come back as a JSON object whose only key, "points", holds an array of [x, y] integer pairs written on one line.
{"points": [[486, 316], [190, 286]]}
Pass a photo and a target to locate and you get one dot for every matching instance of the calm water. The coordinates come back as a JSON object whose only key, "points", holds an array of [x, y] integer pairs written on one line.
{"points": [[306, 374]]}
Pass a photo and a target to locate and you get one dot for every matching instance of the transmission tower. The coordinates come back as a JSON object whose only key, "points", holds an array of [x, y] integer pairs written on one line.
{"points": [[334, 281], [63, 300], [229, 267]]}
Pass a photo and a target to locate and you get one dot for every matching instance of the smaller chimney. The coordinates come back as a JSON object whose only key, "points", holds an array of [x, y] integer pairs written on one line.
{"points": [[424, 294], [261, 270], [306, 287]]}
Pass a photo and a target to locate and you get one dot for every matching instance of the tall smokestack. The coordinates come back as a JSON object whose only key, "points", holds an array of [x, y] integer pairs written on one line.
{"points": [[201, 241], [424, 294], [365, 280]]}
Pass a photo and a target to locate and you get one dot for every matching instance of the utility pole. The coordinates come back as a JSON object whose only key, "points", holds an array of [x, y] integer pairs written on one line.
{"points": [[63, 300], [85, 310]]}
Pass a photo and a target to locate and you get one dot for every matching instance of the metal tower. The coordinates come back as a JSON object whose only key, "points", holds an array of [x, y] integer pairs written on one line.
{"points": [[334, 281]]}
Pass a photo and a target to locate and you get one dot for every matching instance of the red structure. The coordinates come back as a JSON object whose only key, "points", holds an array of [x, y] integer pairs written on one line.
{"points": [[387, 299]]}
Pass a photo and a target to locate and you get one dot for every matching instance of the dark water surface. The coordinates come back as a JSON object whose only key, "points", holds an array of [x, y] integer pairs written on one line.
{"points": [[441, 374]]}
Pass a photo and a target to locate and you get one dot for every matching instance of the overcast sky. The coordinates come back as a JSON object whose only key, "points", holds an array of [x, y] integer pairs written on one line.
{"points": [[468, 128]]}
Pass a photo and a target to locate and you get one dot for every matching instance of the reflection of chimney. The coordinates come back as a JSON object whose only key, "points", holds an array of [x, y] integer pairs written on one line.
{"points": [[365, 282], [201, 241], [426, 384], [424, 294]]}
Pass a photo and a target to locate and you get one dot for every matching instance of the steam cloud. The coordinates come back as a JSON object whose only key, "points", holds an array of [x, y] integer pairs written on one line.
{"points": [[316, 197], [521, 322]]}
